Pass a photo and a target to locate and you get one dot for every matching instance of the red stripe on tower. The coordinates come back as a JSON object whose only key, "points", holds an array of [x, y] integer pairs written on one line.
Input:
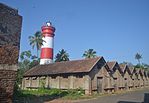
{"points": [[46, 55]]}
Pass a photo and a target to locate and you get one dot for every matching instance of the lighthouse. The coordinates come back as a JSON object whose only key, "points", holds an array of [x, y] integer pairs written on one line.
{"points": [[46, 55]]}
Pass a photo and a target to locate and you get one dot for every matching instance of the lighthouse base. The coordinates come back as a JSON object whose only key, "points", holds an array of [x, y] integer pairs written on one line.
{"points": [[45, 61]]}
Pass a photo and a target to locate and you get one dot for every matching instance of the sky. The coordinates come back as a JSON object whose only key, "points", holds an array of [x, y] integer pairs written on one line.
{"points": [[115, 29]]}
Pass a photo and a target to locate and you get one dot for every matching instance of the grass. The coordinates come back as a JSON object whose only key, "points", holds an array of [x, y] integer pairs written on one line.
{"points": [[41, 92], [74, 94], [29, 96]]}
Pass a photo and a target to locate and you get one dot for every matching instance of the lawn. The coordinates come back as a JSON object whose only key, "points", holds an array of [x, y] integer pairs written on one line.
{"points": [[43, 95]]}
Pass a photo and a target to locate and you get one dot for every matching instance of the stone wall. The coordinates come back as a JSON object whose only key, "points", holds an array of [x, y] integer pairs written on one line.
{"points": [[10, 31], [9, 54], [59, 82], [7, 80]]}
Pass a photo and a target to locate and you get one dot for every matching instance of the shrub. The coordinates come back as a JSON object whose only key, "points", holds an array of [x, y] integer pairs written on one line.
{"points": [[75, 93]]}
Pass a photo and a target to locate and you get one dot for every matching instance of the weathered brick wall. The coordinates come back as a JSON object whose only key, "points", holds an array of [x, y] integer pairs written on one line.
{"points": [[9, 54], [7, 80], [10, 31]]}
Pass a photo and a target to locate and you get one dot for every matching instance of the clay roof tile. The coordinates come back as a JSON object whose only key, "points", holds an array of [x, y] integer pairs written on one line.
{"points": [[75, 66]]}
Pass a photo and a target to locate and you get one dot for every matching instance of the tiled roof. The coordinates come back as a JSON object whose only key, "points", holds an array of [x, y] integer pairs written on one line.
{"points": [[111, 64], [145, 73], [141, 71], [125, 68], [122, 66], [132, 69], [76, 66]]}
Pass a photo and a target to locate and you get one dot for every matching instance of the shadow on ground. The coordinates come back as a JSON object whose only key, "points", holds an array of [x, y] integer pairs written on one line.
{"points": [[146, 99]]}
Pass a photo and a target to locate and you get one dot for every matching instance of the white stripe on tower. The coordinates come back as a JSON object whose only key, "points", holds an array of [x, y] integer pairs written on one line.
{"points": [[46, 55], [48, 42]]}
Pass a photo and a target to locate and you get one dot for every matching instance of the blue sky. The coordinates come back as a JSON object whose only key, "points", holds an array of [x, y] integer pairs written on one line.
{"points": [[116, 29]]}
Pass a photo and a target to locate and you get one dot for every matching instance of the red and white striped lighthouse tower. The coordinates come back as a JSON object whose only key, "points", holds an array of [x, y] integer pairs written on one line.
{"points": [[46, 55]]}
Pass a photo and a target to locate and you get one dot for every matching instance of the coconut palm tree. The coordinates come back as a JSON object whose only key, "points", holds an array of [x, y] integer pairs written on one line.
{"points": [[62, 56], [36, 40], [25, 55], [138, 57], [90, 53]]}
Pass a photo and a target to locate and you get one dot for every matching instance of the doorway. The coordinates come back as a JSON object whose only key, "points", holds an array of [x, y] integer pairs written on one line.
{"points": [[99, 84]]}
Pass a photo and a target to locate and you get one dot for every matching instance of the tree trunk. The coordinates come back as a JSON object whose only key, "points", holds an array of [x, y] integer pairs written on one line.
{"points": [[37, 49], [139, 63]]}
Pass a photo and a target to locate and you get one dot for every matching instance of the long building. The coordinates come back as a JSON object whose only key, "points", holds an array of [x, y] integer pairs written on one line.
{"points": [[67, 75], [92, 75]]}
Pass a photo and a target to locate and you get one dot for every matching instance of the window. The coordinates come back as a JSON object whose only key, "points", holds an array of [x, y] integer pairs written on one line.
{"points": [[115, 78], [53, 77], [34, 78], [43, 78], [65, 76], [27, 78], [79, 76]]}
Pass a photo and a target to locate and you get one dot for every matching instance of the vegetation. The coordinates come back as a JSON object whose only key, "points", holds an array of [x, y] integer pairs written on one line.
{"points": [[138, 57], [27, 61], [62, 56], [143, 66], [90, 53], [36, 40], [46, 94], [74, 94]]}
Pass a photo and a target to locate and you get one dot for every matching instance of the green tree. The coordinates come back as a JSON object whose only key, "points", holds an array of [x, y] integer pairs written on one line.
{"points": [[25, 55], [24, 65], [138, 57], [90, 53], [27, 61], [62, 56], [146, 66], [36, 40]]}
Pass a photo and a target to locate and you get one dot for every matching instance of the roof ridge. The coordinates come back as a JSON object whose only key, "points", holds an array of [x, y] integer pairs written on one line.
{"points": [[113, 64], [77, 60], [84, 65], [95, 62]]}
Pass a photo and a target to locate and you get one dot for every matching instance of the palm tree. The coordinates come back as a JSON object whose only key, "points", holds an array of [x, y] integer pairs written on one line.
{"points": [[62, 56], [36, 40], [138, 57], [90, 53], [25, 55]]}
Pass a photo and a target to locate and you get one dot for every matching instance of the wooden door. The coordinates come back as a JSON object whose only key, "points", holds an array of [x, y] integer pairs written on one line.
{"points": [[99, 84]]}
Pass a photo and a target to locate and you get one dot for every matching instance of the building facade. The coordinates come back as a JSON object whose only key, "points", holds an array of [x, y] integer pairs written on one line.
{"points": [[92, 75], [68, 75], [117, 75]]}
